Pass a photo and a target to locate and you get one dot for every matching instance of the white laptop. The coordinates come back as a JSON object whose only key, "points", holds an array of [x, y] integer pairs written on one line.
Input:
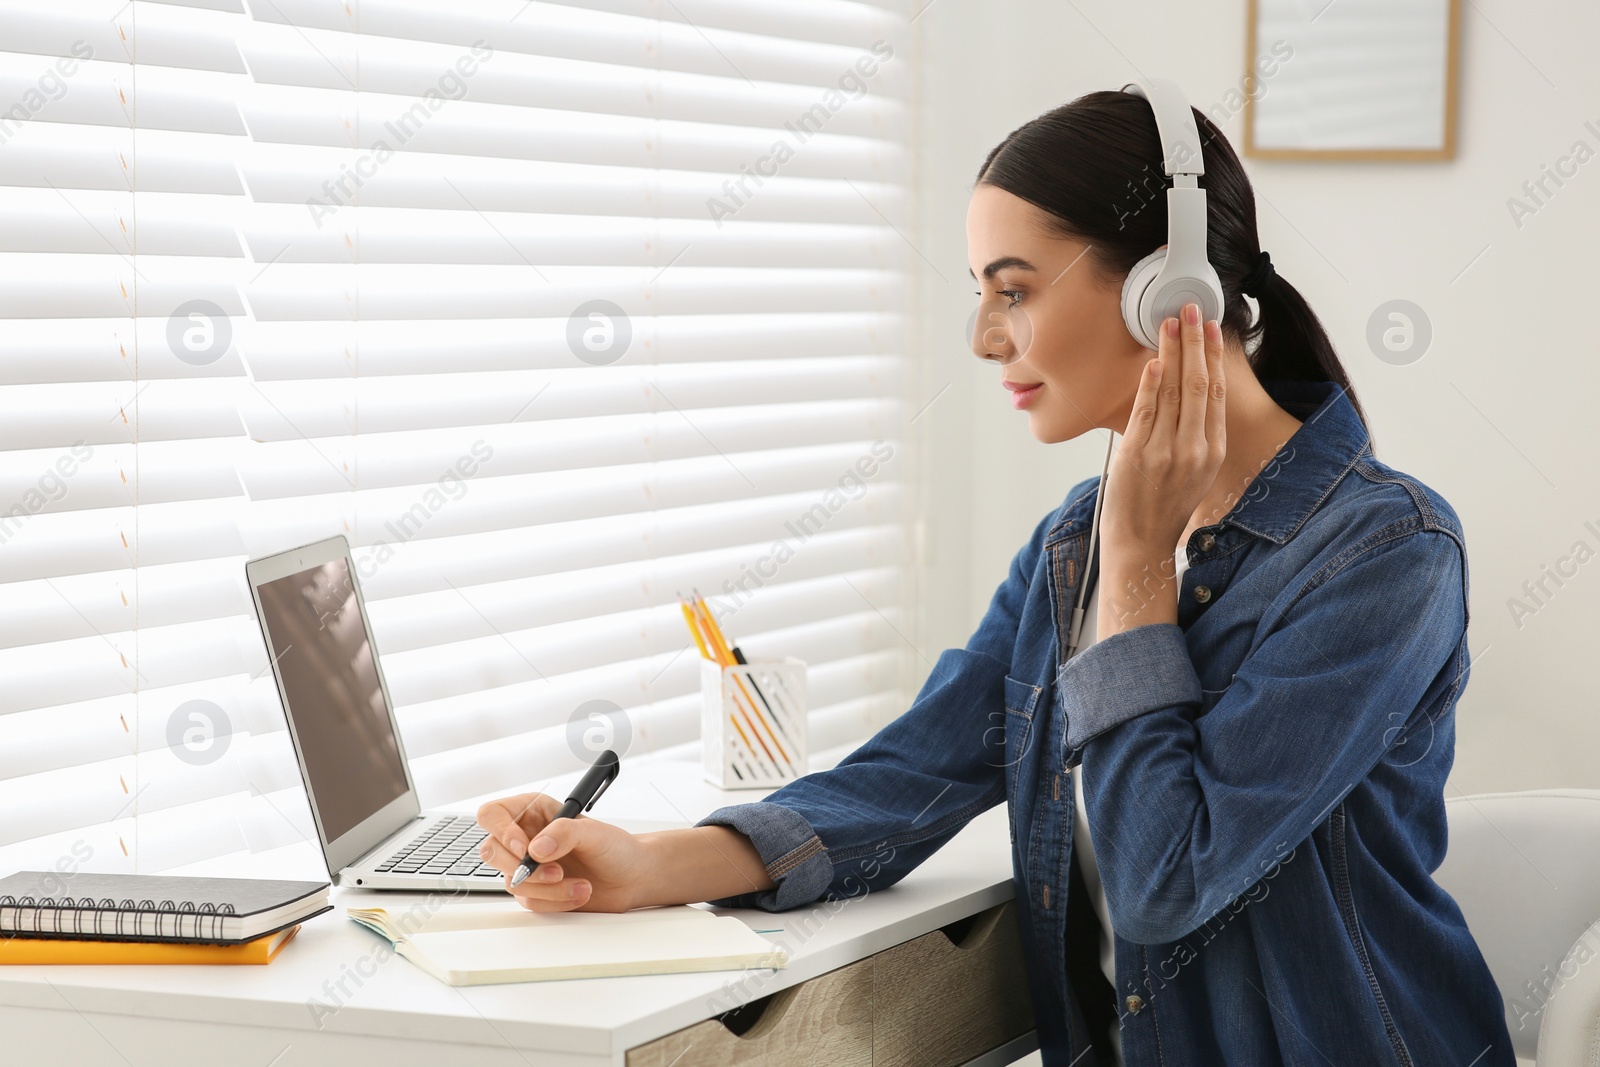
{"points": [[373, 832]]}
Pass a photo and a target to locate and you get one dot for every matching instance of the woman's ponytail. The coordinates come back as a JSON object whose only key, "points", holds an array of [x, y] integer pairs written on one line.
{"points": [[1290, 342]]}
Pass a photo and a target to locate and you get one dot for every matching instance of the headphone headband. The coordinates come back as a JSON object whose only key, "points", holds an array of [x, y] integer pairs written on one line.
{"points": [[1180, 138]]}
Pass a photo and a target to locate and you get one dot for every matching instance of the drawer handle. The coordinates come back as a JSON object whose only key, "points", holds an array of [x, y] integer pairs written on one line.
{"points": [[746, 1021], [972, 931]]}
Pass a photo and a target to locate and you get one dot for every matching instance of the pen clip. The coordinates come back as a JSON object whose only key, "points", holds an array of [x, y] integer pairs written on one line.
{"points": [[600, 792]]}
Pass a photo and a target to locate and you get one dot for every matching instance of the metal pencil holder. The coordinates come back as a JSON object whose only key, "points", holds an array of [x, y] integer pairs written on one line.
{"points": [[753, 722]]}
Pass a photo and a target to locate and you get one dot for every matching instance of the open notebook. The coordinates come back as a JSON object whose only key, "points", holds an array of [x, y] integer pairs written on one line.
{"points": [[482, 944]]}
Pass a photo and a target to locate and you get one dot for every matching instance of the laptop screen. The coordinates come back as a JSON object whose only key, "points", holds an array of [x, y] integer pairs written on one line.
{"points": [[331, 691]]}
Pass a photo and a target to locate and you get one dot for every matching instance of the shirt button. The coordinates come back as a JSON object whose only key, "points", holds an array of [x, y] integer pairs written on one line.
{"points": [[1134, 1004], [1202, 593], [1207, 542]]}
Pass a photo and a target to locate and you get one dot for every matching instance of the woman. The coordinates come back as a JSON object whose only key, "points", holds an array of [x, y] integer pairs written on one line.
{"points": [[1255, 727]]}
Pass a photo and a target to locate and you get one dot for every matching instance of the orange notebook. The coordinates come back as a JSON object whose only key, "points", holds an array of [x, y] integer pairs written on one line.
{"points": [[20, 950]]}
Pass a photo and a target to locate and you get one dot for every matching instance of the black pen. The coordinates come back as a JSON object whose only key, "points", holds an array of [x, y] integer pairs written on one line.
{"points": [[582, 798]]}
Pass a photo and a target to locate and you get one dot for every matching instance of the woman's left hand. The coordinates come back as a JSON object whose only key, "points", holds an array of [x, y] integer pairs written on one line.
{"points": [[1167, 459]]}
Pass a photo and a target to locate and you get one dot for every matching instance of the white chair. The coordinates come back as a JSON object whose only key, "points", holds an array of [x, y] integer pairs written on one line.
{"points": [[1525, 869]]}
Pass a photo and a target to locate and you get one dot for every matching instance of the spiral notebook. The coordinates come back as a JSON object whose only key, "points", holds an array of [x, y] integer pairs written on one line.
{"points": [[143, 907]]}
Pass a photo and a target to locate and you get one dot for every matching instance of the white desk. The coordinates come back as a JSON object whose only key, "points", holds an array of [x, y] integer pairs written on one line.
{"points": [[292, 1011]]}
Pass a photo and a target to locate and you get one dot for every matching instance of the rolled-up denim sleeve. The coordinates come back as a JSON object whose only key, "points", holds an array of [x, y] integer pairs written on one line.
{"points": [[1128, 674], [1192, 807], [867, 822], [789, 848]]}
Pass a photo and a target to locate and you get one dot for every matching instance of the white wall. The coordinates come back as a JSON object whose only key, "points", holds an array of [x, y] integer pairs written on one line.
{"points": [[1499, 416]]}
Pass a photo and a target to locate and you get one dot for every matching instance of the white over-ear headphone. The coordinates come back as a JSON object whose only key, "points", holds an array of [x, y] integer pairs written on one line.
{"points": [[1161, 283]]}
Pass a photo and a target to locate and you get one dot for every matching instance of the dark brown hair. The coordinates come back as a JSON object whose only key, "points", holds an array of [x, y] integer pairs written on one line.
{"points": [[1094, 167]]}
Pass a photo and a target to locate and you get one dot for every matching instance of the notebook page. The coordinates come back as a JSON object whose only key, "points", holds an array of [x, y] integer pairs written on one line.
{"points": [[508, 914], [586, 950]]}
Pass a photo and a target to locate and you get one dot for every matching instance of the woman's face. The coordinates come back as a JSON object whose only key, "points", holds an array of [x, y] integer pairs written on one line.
{"points": [[1066, 356]]}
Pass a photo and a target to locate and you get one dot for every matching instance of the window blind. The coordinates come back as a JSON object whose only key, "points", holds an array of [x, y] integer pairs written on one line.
{"points": [[553, 310]]}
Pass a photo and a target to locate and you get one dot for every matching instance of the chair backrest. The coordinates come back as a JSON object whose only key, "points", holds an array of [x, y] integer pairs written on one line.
{"points": [[1570, 1033], [1525, 870]]}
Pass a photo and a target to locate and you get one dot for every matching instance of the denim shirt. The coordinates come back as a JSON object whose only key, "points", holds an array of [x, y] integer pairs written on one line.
{"points": [[1264, 778]]}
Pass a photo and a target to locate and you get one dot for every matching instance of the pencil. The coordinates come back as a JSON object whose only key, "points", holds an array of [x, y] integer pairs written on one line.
{"points": [[783, 720], [700, 642], [730, 655], [727, 659], [694, 630]]}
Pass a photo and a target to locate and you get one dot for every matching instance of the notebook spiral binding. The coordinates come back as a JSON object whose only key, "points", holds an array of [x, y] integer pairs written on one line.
{"points": [[207, 918]]}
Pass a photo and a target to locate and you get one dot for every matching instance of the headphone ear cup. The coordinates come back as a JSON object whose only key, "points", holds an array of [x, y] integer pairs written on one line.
{"points": [[1135, 288]]}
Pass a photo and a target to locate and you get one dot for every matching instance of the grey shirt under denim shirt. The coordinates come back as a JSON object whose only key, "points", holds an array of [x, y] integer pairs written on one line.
{"points": [[1265, 777]]}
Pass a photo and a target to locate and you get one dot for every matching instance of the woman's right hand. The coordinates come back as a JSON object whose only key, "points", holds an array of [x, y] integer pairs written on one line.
{"points": [[584, 864]]}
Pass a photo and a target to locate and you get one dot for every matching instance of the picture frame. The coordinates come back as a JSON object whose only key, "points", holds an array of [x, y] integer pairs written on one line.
{"points": [[1352, 79]]}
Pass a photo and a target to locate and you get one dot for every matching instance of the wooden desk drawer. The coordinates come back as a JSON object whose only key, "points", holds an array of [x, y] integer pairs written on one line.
{"points": [[824, 1021], [951, 995], [938, 1000]]}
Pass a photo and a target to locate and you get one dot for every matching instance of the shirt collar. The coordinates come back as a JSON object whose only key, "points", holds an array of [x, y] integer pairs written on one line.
{"points": [[1286, 491], [1330, 440]]}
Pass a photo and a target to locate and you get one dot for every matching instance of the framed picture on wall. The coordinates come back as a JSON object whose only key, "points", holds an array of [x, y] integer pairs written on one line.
{"points": [[1352, 79]]}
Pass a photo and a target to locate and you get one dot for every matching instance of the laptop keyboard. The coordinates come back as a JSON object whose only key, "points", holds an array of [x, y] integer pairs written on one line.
{"points": [[449, 846]]}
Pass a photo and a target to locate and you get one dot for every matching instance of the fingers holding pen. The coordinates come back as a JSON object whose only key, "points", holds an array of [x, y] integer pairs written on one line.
{"points": [[511, 823], [546, 889], [512, 820]]}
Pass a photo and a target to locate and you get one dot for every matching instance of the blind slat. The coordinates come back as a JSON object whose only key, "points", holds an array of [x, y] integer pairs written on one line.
{"points": [[234, 325]]}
